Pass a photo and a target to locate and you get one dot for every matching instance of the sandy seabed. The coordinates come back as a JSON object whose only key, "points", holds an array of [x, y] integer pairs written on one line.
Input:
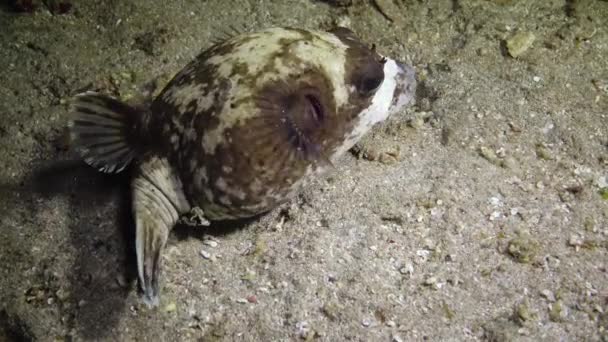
{"points": [[479, 213]]}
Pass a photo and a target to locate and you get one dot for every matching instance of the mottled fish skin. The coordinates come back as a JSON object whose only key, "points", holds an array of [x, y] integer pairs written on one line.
{"points": [[224, 121]]}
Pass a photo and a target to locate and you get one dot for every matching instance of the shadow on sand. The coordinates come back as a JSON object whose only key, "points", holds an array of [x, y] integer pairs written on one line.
{"points": [[101, 231]]}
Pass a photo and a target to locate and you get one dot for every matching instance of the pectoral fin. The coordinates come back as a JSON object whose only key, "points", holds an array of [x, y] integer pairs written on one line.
{"points": [[158, 201]]}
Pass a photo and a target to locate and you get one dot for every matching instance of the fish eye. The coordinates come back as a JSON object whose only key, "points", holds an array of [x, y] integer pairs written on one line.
{"points": [[371, 78], [370, 84]]}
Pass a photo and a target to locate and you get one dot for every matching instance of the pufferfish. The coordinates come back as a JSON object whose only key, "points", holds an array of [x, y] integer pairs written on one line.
{"points": [[239, 130]]}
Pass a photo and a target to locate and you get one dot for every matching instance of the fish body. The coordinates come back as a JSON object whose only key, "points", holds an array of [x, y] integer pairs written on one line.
{"points": [[240, 129]]}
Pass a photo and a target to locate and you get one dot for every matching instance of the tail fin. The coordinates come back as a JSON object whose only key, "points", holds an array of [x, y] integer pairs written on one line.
{"points": [[103, 131]]}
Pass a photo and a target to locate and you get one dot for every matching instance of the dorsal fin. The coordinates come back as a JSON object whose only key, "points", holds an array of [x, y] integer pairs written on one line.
{"points": [[102, 129]]}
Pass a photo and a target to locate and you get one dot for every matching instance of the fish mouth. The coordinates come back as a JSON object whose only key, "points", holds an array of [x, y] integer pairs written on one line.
{"points": [[405, 88]]}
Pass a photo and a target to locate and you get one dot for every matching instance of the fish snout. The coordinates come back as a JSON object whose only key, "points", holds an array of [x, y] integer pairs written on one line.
{"points": [[405, 87]]}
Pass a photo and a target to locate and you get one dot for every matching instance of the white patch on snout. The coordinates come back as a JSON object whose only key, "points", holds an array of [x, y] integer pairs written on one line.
{"points": [[379, 109]]}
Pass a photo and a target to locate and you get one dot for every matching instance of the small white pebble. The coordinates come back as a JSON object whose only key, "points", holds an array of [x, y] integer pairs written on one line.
{"points": [[501, 152], [210, 243], [423, 253], [390, 323], [205, 254], [373, 248], [495, 201], [602, 182], [536, 79], [396, 338], [344, 21], [366, 322], [575, 241], [495, 215], [430, 281], [241, 301]]}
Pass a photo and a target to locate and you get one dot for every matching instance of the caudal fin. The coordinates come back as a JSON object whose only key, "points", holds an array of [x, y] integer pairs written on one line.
{"points": [[102, 129]]}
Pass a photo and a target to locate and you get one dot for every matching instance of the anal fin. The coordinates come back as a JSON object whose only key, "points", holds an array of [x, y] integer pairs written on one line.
{"points": [[158, 202]]}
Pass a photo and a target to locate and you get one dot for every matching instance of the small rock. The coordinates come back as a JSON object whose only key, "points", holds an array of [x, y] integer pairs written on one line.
{"points": [[417, 122], [509, 163], [343, 21], [495, 215], [575, 241], [210, 243], [366, 322], [495, 201], [205, 254], [515, 127], [389, 157], [396, 338], [430, 281], [331, 310], [252, 299], [390, 324], [423, 253], [602, 182], [171, 307], [408, 269], [303, 329], [520, 43], [62, 295], [429, 244], [548, 294], [489, 155], [242, 301], [543, 152]]}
